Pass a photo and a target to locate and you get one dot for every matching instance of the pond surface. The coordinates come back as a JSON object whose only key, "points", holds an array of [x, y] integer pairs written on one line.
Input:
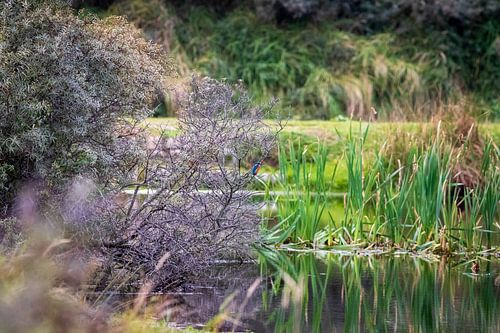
{"points": [[303, 292]]}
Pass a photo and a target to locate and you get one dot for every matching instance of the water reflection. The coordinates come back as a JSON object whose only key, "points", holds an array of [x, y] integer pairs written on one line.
{"points": [[302, 292], [375, 294]]}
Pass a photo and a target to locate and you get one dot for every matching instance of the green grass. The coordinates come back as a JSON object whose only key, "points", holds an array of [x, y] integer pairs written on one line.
{"points": [[334, 135]]}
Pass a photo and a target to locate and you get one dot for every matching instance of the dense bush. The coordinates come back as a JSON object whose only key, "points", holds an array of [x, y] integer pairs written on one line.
{"points": [[73, 91]]}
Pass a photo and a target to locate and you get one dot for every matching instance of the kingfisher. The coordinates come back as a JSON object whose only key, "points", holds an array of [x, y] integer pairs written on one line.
{"points": [[256, 168]]}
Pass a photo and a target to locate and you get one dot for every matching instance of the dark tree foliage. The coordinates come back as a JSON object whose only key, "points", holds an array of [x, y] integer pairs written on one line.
{"points": [[73, 90], [374, 15], [97, 3]]}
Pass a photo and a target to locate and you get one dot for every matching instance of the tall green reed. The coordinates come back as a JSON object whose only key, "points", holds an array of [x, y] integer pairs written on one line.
{"points": [[304, 183], [420, 205], [355, 207], [417, 203]]}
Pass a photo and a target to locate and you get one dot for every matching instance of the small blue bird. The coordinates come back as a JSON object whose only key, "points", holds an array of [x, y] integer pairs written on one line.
{"points": [[256, 168]]}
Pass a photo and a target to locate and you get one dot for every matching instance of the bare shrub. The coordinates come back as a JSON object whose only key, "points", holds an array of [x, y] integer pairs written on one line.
{"points": [[200, 210]]}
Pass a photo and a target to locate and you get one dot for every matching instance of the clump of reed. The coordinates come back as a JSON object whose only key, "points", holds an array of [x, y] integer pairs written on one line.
{"points": [[304, 190], [422, 204], [424, 199]]}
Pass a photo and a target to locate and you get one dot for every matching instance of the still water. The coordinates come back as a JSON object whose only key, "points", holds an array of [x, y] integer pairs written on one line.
{"points": [[304, 292]]}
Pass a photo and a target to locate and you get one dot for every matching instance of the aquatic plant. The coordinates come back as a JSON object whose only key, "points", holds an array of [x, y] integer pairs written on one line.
{"points": [[303, 182], [418, 202]]}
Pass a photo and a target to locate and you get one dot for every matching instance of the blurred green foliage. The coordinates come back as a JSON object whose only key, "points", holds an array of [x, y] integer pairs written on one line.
{"points": [[322, 71], [324, 59]]}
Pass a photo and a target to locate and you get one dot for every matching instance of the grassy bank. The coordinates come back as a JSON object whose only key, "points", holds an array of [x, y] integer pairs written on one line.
{"points": [[323, 72], [334, 134]]}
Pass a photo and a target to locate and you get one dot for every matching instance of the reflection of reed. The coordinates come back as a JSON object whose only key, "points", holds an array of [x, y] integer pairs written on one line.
{"points": [[347, 293]]}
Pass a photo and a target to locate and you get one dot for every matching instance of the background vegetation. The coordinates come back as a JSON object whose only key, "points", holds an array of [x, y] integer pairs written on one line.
{"points": [[326, 59]]}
